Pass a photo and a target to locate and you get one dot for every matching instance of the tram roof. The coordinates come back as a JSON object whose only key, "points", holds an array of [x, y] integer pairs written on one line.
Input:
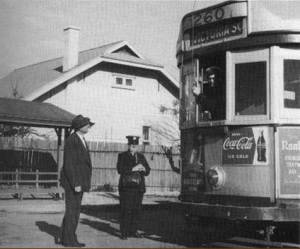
{"points": [[260, 23], [273, 16], [263, 15]]}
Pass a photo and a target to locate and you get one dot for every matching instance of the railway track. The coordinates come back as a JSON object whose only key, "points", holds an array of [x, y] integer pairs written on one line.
{"points": [[241, 242]]}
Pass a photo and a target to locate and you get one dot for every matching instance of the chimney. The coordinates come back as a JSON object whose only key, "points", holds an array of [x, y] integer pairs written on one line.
{"points": [[70, 59]]}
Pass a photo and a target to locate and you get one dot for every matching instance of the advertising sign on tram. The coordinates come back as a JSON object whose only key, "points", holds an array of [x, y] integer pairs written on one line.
{"points": [[249, 145], [289, 162]]}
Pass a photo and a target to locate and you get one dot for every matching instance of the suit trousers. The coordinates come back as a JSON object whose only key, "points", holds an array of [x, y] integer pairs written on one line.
{"points": [[72, 212], [131, 206]]}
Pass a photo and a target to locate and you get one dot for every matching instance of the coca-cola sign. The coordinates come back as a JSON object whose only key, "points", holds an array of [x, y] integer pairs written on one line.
{"points": [[243, 143], [239, 146]]}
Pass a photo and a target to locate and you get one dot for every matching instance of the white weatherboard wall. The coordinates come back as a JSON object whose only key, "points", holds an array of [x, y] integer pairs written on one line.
{"points": [[117, 112]]}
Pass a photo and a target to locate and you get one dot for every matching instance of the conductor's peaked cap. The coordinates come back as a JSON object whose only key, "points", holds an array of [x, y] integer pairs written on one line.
{"points": [[79, 121], [133, 140]]}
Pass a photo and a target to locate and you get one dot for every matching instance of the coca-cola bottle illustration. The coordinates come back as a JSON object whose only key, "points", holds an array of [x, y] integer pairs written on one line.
{"points": [[261, 148]]}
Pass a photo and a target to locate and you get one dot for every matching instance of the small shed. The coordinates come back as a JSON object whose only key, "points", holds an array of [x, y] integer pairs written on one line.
{"points": [[34, 114]]}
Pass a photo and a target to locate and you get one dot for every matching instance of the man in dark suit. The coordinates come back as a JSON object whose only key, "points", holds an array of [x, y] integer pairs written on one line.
{"points": [[131, 193], [211, 98], [75, 178]]}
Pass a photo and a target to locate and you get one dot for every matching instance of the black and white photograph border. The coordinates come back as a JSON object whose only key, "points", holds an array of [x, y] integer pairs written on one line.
{"points": [[149, 123]]}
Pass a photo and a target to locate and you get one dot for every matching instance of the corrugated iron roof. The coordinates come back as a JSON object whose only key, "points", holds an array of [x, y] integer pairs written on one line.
{"points": [[21, 112], [27, 79]]}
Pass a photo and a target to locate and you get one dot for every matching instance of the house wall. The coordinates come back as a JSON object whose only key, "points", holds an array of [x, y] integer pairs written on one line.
{"points": [[117, 111]]}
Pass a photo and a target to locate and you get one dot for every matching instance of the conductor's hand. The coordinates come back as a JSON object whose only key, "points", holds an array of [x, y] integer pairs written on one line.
{"points": [[78, 189], [138, 167], [196, 89]]}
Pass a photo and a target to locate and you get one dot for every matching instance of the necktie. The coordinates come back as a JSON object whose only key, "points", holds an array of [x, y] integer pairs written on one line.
{"points": [[85, 143]]}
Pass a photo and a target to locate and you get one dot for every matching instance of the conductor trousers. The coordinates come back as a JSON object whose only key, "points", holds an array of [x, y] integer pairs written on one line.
{"points": [[131, 206]]}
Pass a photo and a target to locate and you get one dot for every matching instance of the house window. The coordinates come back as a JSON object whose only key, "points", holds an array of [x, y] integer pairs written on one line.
{"points": [[123, 81], [128, 82], [119, 81], [146, 134]]}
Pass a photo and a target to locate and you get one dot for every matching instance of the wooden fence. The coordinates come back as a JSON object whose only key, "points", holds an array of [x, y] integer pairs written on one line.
{"points": [[20, 183], [104, 158]]}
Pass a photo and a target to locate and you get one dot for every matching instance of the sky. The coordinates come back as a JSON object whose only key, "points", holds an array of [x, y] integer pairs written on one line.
{"points": [[31, 31]]}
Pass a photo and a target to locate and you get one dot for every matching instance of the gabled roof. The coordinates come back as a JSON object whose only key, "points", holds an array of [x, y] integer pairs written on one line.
{"points": [[32, 81], [21, 112]]}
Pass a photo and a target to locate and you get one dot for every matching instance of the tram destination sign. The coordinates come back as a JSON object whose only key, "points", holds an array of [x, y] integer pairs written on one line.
{"points": [[219, 32], [214, 14], [216, 24]]}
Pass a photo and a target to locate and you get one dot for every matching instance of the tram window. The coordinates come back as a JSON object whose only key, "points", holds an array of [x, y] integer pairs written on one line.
{"points": [[292, 83], [250, 88]]}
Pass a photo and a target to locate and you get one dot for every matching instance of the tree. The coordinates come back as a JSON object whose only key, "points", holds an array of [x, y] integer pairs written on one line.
{"points": [[164, 130], [169, 153], [13, 130]]}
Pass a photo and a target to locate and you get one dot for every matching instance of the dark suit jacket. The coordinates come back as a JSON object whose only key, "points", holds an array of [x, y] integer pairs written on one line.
{"points": [[77, 166], [125, 164], [213, 99]]}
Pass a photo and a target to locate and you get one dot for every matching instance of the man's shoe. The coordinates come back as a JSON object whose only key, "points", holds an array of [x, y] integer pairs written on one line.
{"points": [[137, 235], [57, 240], [124, 237], [80, 244], [75, 244]]}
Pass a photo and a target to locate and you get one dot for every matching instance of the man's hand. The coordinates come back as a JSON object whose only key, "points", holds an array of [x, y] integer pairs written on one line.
{"points": [[78, 189], [196, 89], [138, 167]]}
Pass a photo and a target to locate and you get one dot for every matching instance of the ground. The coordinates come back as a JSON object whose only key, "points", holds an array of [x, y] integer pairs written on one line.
{"points": [[35, 223]]}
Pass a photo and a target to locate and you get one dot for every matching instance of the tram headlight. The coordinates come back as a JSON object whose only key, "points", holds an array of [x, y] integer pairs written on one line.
{"points": [[216, 177]]}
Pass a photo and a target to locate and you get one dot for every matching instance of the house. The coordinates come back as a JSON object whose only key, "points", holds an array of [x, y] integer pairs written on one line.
{"points": [[114, 85]]}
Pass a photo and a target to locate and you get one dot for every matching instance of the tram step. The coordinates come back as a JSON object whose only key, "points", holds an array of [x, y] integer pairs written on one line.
{"points": [[227, 245], [262, 243]]}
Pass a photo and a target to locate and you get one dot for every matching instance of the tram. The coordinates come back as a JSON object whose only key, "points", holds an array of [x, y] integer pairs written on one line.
{"points": [[239, 67]]}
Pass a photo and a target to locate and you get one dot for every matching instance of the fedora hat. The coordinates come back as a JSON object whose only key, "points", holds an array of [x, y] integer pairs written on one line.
{"points": [[133, 140], [79, 121]]}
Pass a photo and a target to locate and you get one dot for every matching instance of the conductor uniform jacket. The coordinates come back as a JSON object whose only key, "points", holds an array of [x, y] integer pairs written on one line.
{"points": [[127, 161], [77, 166]]}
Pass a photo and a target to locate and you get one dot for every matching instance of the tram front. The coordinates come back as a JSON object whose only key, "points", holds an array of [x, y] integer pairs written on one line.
{"points": [[240, 110]]}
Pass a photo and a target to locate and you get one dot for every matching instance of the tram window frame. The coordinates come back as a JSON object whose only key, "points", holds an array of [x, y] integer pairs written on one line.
{"points": [[244, 57], [286, 112], [246, 99]]}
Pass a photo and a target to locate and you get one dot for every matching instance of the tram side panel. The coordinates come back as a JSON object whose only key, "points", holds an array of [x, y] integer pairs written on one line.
{"points": [[288, 168], [238, 162]]}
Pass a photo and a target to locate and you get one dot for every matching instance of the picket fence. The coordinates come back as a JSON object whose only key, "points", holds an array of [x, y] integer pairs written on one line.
{"points": [[104, 158]]}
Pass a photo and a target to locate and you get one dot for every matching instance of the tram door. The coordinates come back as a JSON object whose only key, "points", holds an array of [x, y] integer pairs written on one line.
{"points": [[202, 102]]}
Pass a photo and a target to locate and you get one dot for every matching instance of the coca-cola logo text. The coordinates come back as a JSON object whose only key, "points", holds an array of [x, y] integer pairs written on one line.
{"points": [[243, 143]]}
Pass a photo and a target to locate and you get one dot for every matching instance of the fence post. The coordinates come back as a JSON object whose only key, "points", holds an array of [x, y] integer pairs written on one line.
{"points": [[37, 179], [17, 179], [58, 179]]}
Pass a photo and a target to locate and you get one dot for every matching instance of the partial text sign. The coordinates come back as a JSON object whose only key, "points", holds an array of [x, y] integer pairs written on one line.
{"points": [[289, 160]]}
